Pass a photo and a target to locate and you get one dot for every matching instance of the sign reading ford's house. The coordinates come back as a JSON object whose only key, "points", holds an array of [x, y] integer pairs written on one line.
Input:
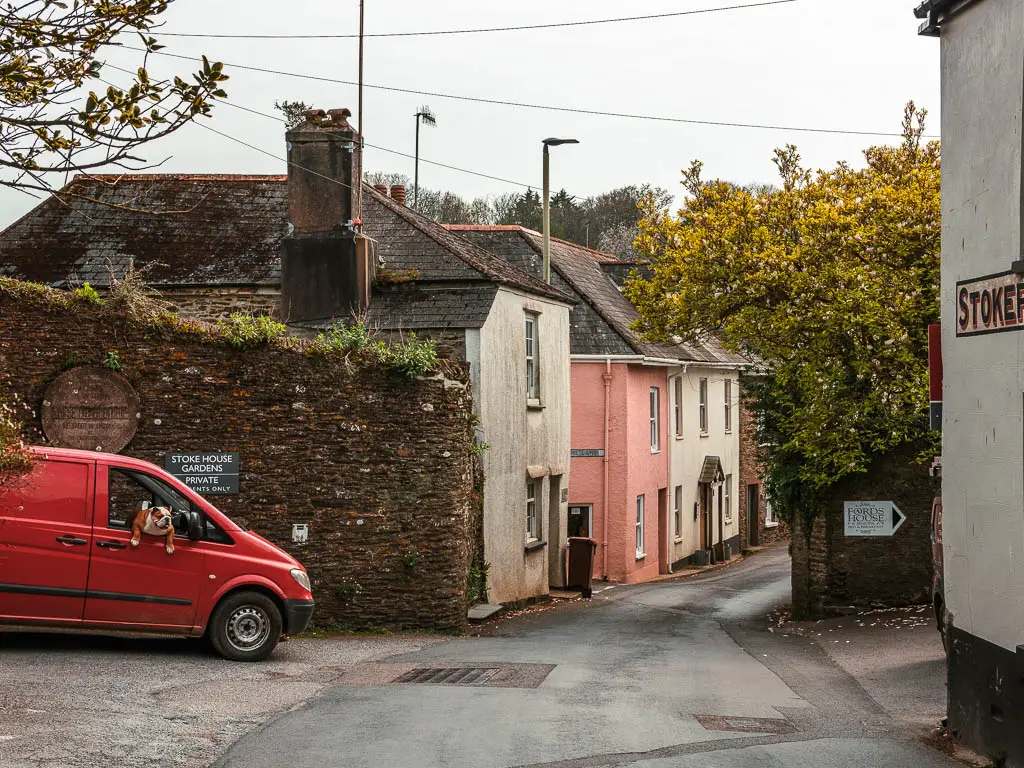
{"points": [[208, 474], [990, 304]]}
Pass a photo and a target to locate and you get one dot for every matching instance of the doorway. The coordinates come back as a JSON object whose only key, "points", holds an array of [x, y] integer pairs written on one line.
{"points": [[753, 515], [581, 520], [664, 533], [705, 515]]}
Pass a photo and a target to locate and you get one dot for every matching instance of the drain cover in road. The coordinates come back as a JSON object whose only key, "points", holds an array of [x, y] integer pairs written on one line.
{"points": [[492, 675], [746, 724], [449, 675]]}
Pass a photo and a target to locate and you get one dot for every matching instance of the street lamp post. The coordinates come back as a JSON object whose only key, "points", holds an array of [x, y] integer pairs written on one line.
{"points": [[547, 203], [425, 116]]}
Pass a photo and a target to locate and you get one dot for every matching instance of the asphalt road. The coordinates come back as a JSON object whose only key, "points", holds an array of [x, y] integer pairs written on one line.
{"points": [[672, 674]]}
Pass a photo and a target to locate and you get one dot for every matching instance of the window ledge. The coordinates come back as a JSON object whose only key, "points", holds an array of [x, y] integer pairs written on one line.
{"points": [[679, 437], [641, 556], [771, 525], [705, 434], [655, 453], [728, 431], [534, 404], [678, 540], [533, 546]]}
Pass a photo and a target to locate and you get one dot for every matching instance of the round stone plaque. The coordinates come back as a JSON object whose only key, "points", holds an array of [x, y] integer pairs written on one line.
{"points": [[92, 409]]}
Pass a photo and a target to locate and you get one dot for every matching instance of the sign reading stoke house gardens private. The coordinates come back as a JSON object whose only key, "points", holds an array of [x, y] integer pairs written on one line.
{"points": [[208, 473], [92, 409]]}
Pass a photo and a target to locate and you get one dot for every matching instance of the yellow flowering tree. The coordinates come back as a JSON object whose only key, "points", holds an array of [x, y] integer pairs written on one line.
{"points": [[830, 282]]}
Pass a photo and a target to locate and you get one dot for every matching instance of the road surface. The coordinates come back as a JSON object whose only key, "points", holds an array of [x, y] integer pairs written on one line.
{"points": [[680, 673]]}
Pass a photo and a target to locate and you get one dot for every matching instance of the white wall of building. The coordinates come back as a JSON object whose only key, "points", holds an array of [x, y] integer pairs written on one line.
{"points": [[982, 491], [524, 441], [687, 453]]}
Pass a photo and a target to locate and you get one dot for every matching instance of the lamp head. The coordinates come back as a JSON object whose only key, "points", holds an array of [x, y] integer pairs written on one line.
{"points": [[559, 142]]}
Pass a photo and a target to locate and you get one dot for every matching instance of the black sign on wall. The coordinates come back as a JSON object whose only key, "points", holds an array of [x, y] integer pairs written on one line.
{"points": [[206, 473]]}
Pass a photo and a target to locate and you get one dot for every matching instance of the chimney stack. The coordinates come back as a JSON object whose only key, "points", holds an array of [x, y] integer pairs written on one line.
{"points": [[382, 188], [325, 268], [398, 193]]}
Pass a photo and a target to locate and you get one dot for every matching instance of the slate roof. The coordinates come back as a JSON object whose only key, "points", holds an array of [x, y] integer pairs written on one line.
{"points": [[602, 321], [225, 230]]}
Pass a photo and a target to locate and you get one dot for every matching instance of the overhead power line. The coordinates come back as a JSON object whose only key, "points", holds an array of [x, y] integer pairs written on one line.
{"points": [[545, 107], [558, 25], [366, 144]]}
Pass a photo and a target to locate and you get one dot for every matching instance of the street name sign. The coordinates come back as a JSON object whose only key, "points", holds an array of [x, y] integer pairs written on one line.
{"points": [[587, 453], [872, 518]]}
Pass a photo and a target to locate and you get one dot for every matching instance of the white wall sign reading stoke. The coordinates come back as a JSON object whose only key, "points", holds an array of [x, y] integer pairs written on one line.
{"points": [[872, 518]]}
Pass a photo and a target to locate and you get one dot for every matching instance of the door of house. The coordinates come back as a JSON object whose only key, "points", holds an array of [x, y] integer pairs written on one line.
{"points": [[705, 512], [753, 528], [664, 535], [580, 520]]}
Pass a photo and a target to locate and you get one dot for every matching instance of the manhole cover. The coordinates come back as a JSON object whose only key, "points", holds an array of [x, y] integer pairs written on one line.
{"points": [[746, 724], [481, 675], [449, 675]]}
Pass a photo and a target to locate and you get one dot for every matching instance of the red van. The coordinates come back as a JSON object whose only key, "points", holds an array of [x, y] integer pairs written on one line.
{"points": [[66, 560]]}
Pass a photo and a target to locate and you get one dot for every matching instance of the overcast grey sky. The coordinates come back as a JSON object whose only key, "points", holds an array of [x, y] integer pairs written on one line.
{"points": [[810, 63]]}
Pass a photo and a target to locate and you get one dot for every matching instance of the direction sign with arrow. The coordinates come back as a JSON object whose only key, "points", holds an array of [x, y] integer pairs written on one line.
{"points": [[872, 518]]}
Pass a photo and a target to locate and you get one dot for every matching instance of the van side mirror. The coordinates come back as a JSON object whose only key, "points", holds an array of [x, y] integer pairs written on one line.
{"points": [[195, 524]]}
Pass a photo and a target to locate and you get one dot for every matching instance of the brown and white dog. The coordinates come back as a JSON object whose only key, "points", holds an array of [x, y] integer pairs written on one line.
{"points": [[154, 521]]}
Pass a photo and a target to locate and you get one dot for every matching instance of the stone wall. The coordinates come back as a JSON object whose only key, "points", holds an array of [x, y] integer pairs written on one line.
{"points": [[834, 573], [751, 474], [213, 304], [378, 466]]}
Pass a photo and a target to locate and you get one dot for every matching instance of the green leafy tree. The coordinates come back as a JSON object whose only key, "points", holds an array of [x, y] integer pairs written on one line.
{"points": [[50, 53], [830, 281]]}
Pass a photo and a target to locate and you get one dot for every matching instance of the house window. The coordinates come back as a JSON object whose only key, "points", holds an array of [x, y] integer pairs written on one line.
{"points": [[769, 513], [728, 497], [655, 432], [677, 391], [728, 405], [704, 406], [640, 525], [532, 369], [532, 525], [677, 511]]}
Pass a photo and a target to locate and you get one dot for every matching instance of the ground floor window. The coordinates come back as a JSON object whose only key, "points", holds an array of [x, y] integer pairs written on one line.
{"points": [[769, 513], [677, 511], [640, 525], [532, 524], [727, 492]]}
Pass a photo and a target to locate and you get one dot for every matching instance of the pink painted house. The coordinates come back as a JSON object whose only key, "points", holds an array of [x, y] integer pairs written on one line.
{"points": [[655, 459]]}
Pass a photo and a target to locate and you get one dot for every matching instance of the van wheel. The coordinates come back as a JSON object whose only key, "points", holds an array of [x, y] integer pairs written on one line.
{"points": [[246, 626]]}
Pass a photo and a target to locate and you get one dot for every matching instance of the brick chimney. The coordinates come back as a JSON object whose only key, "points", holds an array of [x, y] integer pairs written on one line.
{"points": [[398, 193], [382, 188], [325, 267]]}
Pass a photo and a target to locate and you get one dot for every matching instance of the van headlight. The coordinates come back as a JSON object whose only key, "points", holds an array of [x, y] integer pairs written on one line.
{"points": [[301, 578]]}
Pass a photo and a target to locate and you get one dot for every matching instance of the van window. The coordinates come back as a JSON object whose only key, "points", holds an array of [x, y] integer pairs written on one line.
{"points": [[55, 491], [127, 490]]}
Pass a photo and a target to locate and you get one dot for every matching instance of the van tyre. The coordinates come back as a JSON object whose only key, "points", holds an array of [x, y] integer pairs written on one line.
{"points": [[245, 626]]}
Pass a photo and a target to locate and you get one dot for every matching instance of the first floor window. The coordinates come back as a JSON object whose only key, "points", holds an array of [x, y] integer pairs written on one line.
{"points": [[640, 524], [677, 405], [532, 526], [655, 432], [728, 405], [532, 377], [677, 511], [728, 497], [703, 406]]}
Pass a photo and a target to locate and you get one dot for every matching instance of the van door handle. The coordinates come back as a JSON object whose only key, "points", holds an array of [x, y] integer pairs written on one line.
{"points": [[111, 544], [72, 540]]}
